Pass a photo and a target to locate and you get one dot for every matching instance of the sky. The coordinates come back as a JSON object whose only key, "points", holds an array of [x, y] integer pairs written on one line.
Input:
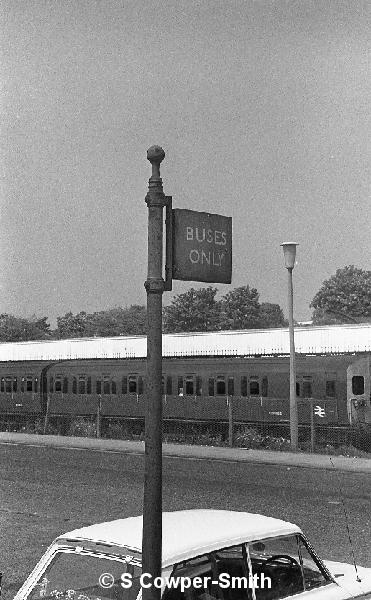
{"points": [[263, 110]]}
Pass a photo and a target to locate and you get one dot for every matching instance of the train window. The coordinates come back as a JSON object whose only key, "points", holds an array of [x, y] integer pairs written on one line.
{"points": [[74, 385], [51, 384], [298, 389], [264, 387], [220, 385], [9, 384], [307, 386], [244, 385], [189, 385], [198, 386], [169, 385], [254, 386], [211, 386], [180, 386], [124, 385], [331, 385], [133, 384], [106, 385], [60, 384], [88, 385], [230, 386], [27, 384], [358, 385], [35, 384], [15, 384], [82, 384]]}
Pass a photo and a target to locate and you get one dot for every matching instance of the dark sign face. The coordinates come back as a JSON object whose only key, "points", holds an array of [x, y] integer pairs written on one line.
{"points": [[202, 246]]}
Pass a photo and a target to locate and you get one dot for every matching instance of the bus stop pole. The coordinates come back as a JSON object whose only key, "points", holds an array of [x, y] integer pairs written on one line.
{"points": [[152, 500]]}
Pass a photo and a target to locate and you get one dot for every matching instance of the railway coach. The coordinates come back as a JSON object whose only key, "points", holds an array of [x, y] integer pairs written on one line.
{"points": [[202, 374]]}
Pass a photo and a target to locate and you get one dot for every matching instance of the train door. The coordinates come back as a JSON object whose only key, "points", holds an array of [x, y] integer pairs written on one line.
{"points": [[133, 387], [358, 391], [82, 397], [30, 394], [58, 393]]}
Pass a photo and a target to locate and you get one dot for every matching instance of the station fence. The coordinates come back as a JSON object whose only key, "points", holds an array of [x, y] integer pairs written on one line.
{"points": [[228, 431]]}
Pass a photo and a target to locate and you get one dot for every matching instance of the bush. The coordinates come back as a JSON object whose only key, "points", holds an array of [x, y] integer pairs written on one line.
{"points": [[349, 451], [249, 437], [33, 426], [115, 430], [83, 427]]}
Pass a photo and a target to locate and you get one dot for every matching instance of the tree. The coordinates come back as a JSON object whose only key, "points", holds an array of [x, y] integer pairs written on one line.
{"points": [[271, 315], [343, 298], [112, 322], [119, 321], [18, 329], [240, 309], [72, 326], [196, 310]]}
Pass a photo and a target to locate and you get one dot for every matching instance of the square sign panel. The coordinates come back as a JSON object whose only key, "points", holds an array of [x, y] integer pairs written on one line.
{"points": [[202, 246]]}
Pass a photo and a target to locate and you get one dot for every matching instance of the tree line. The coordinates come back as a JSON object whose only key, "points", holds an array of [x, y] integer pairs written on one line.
{"points": [[343, 298]]}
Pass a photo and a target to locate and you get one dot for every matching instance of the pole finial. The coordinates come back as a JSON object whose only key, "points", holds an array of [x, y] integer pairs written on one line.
{"points": [[155, 155]]}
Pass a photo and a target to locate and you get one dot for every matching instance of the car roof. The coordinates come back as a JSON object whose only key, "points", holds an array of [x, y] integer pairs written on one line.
{"points": [[187, 533]]}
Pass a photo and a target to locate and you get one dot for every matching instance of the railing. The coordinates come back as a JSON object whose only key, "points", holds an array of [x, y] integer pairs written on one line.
{"points": [[228, 420]]}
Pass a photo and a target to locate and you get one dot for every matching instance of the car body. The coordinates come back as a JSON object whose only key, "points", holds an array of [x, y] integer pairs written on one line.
{"points": [[208, 554]]}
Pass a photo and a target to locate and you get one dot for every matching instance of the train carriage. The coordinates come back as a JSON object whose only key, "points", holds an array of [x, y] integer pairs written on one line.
{"points": [[202, 374]]}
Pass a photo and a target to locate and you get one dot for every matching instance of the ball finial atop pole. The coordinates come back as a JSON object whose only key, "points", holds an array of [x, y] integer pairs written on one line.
{"points": [[155, 155]]}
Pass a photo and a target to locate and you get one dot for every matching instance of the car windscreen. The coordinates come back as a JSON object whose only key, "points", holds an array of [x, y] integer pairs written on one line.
{"points": [[78, 574]]}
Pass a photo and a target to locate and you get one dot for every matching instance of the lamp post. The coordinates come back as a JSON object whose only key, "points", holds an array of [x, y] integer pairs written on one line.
{"points": [[289, 252]]}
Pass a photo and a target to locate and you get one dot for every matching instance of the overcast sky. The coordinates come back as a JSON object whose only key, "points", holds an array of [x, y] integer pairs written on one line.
{"points": [[263, 110]]}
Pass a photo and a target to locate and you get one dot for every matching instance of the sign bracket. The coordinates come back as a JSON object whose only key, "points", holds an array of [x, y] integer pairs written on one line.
{"points": [[168, 283]]}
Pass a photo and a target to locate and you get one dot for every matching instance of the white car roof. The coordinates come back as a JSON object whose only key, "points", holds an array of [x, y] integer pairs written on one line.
{"points": [[188, 533]]}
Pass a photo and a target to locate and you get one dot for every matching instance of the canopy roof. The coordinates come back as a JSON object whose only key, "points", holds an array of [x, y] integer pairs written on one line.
{"points": [[335, 339]]}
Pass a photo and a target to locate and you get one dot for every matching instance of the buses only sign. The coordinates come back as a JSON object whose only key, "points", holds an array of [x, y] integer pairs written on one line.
{"points": [[202, 246]]}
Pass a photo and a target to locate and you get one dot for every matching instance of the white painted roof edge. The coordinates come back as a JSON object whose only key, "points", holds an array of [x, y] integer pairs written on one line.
{"points": [[195, 334], [250, 342]]}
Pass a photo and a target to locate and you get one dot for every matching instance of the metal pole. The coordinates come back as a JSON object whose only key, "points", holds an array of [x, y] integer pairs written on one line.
{"points": [[99, 416], [293, 403], [46, 420], [230, 421], [152, 502], [312, 427]]}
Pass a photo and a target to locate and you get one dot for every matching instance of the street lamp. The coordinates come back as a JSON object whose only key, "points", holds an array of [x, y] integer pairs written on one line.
{"points": [[289, 252]]}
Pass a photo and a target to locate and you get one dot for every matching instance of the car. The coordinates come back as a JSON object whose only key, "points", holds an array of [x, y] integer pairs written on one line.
{"points": [[206, 555]]}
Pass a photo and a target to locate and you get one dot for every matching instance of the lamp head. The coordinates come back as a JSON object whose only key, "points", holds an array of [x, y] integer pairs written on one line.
{"points": [[289, 253]]}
